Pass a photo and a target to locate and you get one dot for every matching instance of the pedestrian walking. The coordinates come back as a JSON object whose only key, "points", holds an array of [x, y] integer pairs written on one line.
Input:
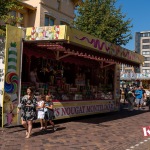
{"points": [[130, 99], [126, 90], [40, 110], [139, 97], [49, 112], [28, 110]]}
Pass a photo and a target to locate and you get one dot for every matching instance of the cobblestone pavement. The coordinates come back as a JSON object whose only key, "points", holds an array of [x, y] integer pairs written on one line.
{"points": [[112, 131]]}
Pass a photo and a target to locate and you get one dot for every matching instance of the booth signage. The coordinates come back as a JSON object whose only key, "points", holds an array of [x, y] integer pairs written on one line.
{"points": [[63, 110], [92, 42], [12, 70], [63, 32], [46, 33]]}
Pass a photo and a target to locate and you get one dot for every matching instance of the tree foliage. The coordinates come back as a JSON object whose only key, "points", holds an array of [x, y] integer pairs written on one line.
{"points": [[102, 19], [6, 6]]}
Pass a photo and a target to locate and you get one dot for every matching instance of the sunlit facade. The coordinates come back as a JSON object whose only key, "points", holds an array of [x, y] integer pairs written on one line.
{"points": [[142, 46]]}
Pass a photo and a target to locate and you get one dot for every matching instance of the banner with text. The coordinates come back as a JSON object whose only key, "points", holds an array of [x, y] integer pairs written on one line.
{"points": [[82, 108]]}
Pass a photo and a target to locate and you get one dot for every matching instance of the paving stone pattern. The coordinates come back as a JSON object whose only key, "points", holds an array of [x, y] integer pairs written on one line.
{"points": [[112, 131]]}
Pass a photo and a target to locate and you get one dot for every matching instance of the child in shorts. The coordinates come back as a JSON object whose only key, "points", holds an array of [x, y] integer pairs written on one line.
{"points": [[40, 109]]}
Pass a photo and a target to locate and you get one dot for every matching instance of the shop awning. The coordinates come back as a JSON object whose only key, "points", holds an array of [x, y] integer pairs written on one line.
{"points": [[69, 41]]}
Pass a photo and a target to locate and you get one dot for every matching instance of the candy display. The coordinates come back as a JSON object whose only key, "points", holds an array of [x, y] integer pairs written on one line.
{"points": [[11, 82], [69, 82]]}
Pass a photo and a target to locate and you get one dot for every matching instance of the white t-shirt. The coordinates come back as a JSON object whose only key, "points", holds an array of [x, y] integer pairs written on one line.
{"points": [[40, 103]]}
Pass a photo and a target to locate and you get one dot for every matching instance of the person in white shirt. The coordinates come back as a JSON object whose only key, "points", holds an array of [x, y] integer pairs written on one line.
{"points": [[40, 109]]}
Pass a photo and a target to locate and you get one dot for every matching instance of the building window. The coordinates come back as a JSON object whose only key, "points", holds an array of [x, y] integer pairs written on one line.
{"points": [[146, 53], [16, 14], [49, 21], [145, 46], [13, 13], [146, 65], [146, 41], [21, 24], [145, 70], [59, 4], [145, 34], [147, 58]]}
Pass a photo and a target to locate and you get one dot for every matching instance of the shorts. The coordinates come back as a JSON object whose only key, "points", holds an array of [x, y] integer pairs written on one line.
{"points": [[139, 101], [41, 114]]}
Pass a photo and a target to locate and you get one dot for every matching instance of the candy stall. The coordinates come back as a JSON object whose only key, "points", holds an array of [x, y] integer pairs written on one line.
{"points": [[80, 71]]}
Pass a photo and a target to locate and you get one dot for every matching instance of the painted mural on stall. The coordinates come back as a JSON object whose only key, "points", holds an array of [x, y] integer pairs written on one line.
{"points": [[45, 33], [12, 68]]}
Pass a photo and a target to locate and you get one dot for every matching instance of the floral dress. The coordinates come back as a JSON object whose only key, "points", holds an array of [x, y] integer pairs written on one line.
{"points": [[28, 112]]}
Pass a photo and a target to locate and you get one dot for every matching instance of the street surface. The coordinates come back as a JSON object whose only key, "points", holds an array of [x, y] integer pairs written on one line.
{"points": [[112, 131]]}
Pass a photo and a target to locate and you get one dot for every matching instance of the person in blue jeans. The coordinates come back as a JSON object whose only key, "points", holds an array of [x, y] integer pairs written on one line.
{"points": [[139, 97]]}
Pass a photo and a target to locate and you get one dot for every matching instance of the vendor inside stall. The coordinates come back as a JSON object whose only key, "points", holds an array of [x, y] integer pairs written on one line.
{"points": [[68, 80]]}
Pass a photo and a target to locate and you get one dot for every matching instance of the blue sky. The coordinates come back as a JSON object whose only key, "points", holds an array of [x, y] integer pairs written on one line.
{"points": [[139, 12]]}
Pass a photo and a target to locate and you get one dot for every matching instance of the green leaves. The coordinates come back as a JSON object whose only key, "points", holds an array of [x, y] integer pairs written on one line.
{"points": [[6, 7], [102, 19]]}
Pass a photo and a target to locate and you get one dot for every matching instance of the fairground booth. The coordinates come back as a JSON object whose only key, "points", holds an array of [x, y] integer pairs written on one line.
{"points": [[80, 71]]}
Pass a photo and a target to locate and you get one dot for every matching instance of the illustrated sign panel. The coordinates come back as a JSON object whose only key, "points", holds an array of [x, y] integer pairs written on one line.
{"points": [[12, 70]]}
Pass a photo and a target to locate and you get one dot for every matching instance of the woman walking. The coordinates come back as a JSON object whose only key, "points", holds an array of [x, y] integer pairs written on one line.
{"points": [[28, 107]]}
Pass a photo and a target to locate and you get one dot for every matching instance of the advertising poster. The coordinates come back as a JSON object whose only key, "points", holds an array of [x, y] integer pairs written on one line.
{"points": [[12, 71], [46, 33]]}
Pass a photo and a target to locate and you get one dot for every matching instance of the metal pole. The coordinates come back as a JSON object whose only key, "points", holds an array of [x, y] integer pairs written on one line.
{"points": [[20, 75]]}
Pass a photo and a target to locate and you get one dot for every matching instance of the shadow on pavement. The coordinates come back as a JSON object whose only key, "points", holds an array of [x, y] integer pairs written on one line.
{"points": [[48, 131]]}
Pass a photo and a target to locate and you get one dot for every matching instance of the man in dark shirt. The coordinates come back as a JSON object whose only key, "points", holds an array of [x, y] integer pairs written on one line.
{"points": [[126, 90]]}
